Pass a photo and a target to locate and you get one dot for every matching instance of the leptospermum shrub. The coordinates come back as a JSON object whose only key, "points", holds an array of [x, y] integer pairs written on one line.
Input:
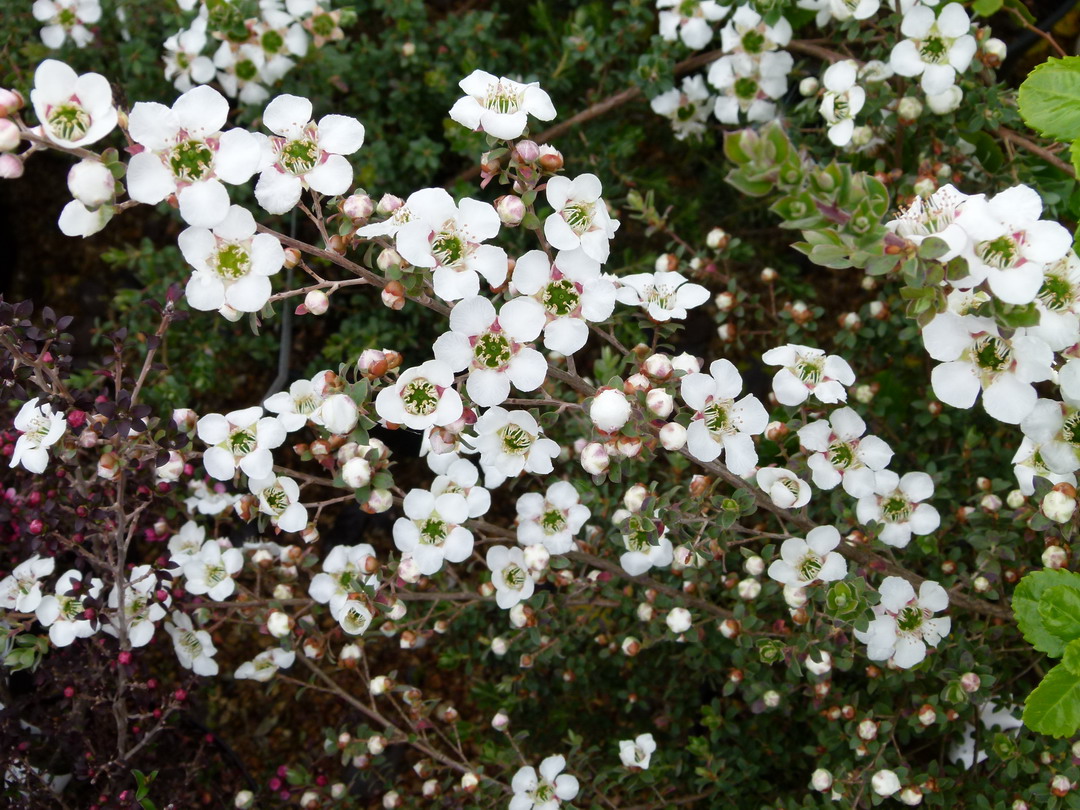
{"points": [[734, 467]]}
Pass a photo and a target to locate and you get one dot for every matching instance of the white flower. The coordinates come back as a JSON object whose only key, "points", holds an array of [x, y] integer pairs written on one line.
{"points": [[638, 752], [976, 358], [786, 489], [345, 570], [194, 648], [242, 71], [686, 106], [21, 590], [91, 183], [509, 575], [1010, 244], [211, 571], [232, 263], [187, 154], [568, 293], [500, 106], [610, 410], [422, 397], [946, 101], [750, 85], [581, 217], [78, 220], [937, 46], [41, 428], [491, 348], [141, 613], [646, 544], [338, 413], [935, 216], [303, 154], [1058, 303], [746, 32], [73, 110], [814, 559], [354, 617], [431, 530], [512, 442], [842, 455], [663, 294], [186, 543], [1049, 449], [896, 503], [841, 9], [67, 18], [207, 501], [460, 478], [185, 66], [722, 424], [885, 783], [279, 497], [295, 406], [241, 439], [689, 21], [679, 620], [265, 665], [902, 626], [806, 371], [842, 101], [552, 519], [546, 792], [60, 613]]}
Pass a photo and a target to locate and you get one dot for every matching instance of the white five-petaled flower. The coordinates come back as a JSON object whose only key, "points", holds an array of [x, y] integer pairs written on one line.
{"points": [[186, 153], [565, 294], [665, 294], [637, 753], [242, 71], [61, 612], [211, 570], [747, 32], [646, 541], [841, 454], [581, 217], [21, 589], [500, 106], [265, 665], [936, 216], [686, 106], [295, 406], [551, 519], [422, 397], [233, 264], [241, 439], [67, 18], [805, 372], [448, 237], [842, 101], [840, 9], [1051, 446], [1011, 247], [814, 559], [491, 348], [512, 442], [73, 110], [1058, 303], [976, 358], [279, 497], [545, 792], [461, 477], [938, 46], [896, 503], [431, 530], [345, 570], [722, 424], [354, 617], [689, 20], [903, 626], [185, 64], [509, 575], [187, 542], [303, 154], [142, 611], [194, 648], [41, 428], [786, 489], [749, 85]]}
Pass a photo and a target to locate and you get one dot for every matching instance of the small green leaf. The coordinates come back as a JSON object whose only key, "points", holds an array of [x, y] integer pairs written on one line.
{"points": [[1054, 707], [1059, 608], [1025, 604], [1050, 98], [984, 8], [1071, 659], [933, 247]]}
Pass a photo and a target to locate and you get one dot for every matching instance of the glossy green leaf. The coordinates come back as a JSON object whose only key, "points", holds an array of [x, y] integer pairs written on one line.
{"points": [[1059, 608], [1050, 98], [1054, 707], [1025, 604]]}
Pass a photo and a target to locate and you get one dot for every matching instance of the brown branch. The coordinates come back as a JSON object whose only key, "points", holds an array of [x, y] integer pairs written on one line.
{"points": [[1035, 149]]}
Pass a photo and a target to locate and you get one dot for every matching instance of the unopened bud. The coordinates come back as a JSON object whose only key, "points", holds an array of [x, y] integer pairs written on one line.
{"points": [[551, 159], [595, 459], [10, 101], [511, 210], [393, 295], [358, 206], [809, 86], [388, 204], [316, 302], [768, 275], [658, 367], [11, 167]]}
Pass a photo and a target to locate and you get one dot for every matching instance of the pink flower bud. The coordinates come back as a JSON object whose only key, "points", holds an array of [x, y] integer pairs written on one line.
{"points": [[11, 168], [551, 159], [511, 210], [673, 436], [595, 459], [660, 403], [658, 367], [10, 101], [316, 302], [358, 206], [389, 204], [380, 501], [372, 363], [526, 152], [629, 446], [9, 135], [356, 473]]}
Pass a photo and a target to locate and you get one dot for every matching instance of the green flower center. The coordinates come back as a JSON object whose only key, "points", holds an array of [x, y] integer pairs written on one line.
{"points": [[306, 403], [323, 25], [842, 455], [809, 567], [68, 121], [191, 160], [746, 88], [355, 619], [190, 642], [909, 619], [579, 216], [991, 354], [516, 441], [1057, 293], [1070, 431], [753, 41], [242, 441], [934, 50], [513, 576], [561, 297], [1000, 253], [272, 41], [276, 498], [70, 607], [896, 509], [420, 397], [449, 249], [810, 370], [246, 70], [232, 261], [433, 531], [492, 350], [553, 521], [67, 18], [216, 574], [502, 99], [718, 417], [300, 156]]}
